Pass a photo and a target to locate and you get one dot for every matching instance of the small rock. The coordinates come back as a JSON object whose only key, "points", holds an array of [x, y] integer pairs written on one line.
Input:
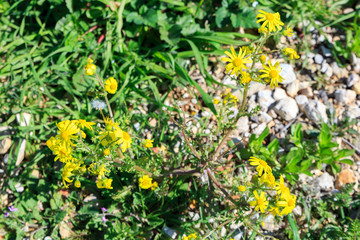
{"points": [[65, 231], [344, 96], [288, 73], [301, 100], [321, 39], [307, 92], [318, 59], [223, 232], [326, 52], [269, 223], [153, 122], [259, 129], [293, 88], [325, 182], [19, 187], [352, 79], [297, 211], [287, 108], [6, 158], [344, 177], [272, 113], [353, 112], [265, 99], [324, 67], [356, 87], [170, 232], [90, 198], [264, 117], [255, 87], [315, 111], [279, 93], [5, 145], [336, 69], [243, 124]]}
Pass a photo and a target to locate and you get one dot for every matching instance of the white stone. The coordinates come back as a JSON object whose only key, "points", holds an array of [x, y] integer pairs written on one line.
{"points": [[344, 96], [255, 87], [293, 88], [264, 117], [288, 73], [301, 100], [279, 93], [5, 145], [352, 79], [170, 232], [23, 121], [287, 108], [326, 52], [243, 124], [325, 182], [315, 111], [19, 187], [259, 129], [353, 112], [265, 99], [318, 59], [336, 69]]}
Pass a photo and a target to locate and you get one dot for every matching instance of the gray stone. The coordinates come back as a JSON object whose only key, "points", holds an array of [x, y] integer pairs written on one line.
{"points": [[293, 88], [269, 223], [318, 59], [301, 100], [315, 111], [352, 79], [259, 129], [242, 125], [23, 120], [287, 108], [170, 232], [326, 52], [297, 211], [288, 73], [279, 93], [321, 39], [336, 69], [344, 96], [255, 87], [264, 117], [325, 182], [265, 99]]}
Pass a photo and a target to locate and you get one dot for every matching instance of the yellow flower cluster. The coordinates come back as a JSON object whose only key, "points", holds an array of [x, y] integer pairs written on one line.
{"points": [[90, 68], [114, 135], [292, 53], [226, 98], [145, 182], [284, 199], [61, 145], [190, 237], [147, 143]]}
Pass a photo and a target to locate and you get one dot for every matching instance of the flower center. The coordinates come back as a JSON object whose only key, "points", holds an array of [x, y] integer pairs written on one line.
{"points": [[260, 201], [237, 62], [65, 135], [126, 136], [113, 86], [291, 202], [263, 163], [270, 16], [273, 73]]}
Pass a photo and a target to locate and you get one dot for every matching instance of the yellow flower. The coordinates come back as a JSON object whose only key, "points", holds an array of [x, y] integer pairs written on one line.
{"points": [[154, 185], [147, 143], [125, 141], [292, 53], [273, 73], [245, 77], [67, 172], [288, 202], [260, 202], [236, 62], [190, 237], [263, 59], [262, 166], [77, 183], [275, 211], [102, 171], [263, 30], [247, 50], [106, 152], [104, 183], [288, 32], [216, 101], [111, 85], [145, 182], [67, 130], [270, 20], [63, 152], [242, 188], [84, 124], [90, 68], [280, 186], [268, 179], [51, 143]]}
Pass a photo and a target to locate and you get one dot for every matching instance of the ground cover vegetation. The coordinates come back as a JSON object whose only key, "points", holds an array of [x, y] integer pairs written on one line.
{"points": [[98, 140]]}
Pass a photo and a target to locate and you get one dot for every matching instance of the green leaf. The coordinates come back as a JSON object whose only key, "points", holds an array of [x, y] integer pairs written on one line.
{"points": [[220, 16], [347, 161], [293, 227]]}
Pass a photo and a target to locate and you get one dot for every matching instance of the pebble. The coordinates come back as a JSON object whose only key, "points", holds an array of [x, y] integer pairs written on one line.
{"points": [[336, 69], [352, 79], [242, 125], [279, 93], [356, 87], [344, 96], [259, 129], [287, 108], [255, 87], [301, 100], [264, 117], [24, 121], [265, 99], [353, 112], [269, 223], [318, 59], [293, 88], [297, 211], [344, 177], [326, 52], [325, 182], [287, 73], [19, 187], [315, 111], [308, 92], [5, 145]]}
